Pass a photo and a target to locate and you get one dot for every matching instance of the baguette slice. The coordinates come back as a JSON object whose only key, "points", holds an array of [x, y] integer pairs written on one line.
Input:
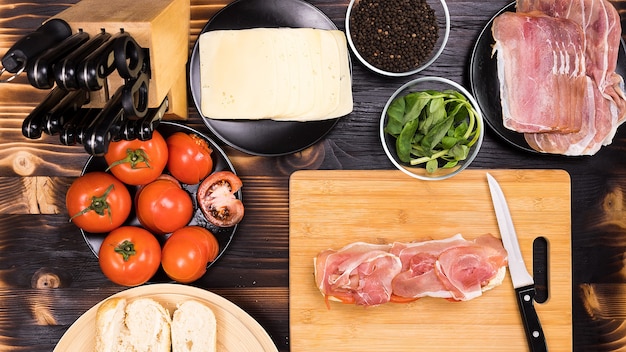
{"points": [[194, 328], [139, 325]]}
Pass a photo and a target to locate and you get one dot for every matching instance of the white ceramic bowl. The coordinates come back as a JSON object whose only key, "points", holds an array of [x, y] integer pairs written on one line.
{"points": [[443, 21], [419, 170]]}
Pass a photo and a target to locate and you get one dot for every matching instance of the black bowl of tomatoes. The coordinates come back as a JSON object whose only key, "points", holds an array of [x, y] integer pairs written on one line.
{"points": [[172, 203]]}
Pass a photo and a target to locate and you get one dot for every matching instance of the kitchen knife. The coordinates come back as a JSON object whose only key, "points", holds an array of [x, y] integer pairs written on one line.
{"points": [[143, 128], [33, 124], [93, 70], [74, 129], [65, 71], [522, 280], [40, 72], [30, 46], [68, 106]]}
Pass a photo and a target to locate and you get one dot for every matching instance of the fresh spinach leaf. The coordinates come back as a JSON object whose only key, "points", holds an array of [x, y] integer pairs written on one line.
{"points": [[404, 141], [433, 128]]}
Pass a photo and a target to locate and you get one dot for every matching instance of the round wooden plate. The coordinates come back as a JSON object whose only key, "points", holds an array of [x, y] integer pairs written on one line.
{"points": [[236, 330]]}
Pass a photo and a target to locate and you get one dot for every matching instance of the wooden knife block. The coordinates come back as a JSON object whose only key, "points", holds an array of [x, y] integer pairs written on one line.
{"points": [[161, 26]]}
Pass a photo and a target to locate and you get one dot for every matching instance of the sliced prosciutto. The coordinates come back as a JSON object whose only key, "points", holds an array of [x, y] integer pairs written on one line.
{"points": [[419, 276], [468, 270], [605, 100], [452, 268], [359, 273], [540, 61]]}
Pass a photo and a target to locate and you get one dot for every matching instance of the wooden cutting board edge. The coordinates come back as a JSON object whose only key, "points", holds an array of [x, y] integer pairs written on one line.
{"points": [[557, 322]]}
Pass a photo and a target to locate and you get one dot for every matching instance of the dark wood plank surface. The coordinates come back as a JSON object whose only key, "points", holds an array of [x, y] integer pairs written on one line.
{"points": [[49, 277]]}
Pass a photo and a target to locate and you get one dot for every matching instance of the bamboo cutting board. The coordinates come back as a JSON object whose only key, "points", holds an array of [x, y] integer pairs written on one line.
{"points": [[330, 209]]}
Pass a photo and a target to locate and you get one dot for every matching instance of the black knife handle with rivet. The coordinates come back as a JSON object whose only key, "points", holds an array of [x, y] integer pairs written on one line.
{"points": [[40, 72], [64, 110], [106, 126], [532, 326], [71, 128], [65, 72], [94, 69], [27, 48], [33, 124]]}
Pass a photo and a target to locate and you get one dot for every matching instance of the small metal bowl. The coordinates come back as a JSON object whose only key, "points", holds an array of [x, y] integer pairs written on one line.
{"points": [[442, 15], [419, 170]]}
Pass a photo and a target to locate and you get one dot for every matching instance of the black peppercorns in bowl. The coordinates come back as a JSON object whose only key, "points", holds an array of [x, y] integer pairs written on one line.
{"points": [[397, 37]]}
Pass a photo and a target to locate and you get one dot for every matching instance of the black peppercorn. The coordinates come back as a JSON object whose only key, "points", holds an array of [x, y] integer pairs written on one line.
{"points": [[394, 35]]}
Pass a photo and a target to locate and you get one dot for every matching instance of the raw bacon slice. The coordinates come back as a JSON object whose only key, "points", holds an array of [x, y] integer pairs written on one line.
{"points": [[540, 61], [452, 268]]}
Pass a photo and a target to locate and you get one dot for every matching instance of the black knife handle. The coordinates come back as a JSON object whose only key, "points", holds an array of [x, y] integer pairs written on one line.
{"points": [[64, 110], [66, 71], [40, 72], [93, 70], [33, 124], [532, 326], [106, 126], [28, 47]]}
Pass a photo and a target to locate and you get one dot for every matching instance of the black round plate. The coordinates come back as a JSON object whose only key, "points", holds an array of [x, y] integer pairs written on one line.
{"points": [[485, 85], [262, 137], [221, 162]]}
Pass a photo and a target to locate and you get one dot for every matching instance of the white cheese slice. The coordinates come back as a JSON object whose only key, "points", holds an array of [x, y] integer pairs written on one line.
{"points": [[291, 74], [230, 83]]}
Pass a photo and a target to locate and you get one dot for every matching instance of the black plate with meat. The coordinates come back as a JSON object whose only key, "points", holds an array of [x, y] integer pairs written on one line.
{"points": [[263, 137], [485, 86]]}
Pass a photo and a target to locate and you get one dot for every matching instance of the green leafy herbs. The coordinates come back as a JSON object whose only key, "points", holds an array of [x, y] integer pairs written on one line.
{"points": [[433, 128]]}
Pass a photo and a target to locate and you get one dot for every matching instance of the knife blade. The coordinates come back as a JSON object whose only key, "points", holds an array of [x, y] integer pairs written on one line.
{"points": [[522, 280]]}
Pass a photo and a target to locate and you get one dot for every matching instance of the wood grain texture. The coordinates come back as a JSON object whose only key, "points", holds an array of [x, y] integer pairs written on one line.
{"points": [[39, 248], [388, 206]]}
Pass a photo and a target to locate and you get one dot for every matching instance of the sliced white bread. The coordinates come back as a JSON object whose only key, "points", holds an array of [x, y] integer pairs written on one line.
{"points": [[194, 328], [109, 323], [136, 326]]}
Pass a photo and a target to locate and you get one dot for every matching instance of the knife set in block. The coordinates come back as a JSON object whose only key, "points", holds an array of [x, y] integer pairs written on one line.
{"points": [[114, 68]]}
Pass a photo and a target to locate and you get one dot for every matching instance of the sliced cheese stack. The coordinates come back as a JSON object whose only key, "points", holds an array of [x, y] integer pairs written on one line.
{"points": [[291, 74]]}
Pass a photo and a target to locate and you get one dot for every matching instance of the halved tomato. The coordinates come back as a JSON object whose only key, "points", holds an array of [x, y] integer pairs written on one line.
{"points": [[216, 199]]}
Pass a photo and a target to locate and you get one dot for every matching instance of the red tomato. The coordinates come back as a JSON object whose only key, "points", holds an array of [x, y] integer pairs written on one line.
{"points": [[206, 239], [129, 256], [216, 198], [98, 202], [189, 157], [183, 258], [137, 162], [162, 206]]}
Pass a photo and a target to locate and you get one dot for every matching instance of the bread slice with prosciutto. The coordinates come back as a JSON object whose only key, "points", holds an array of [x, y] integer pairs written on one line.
{"points": [[372, 274]]}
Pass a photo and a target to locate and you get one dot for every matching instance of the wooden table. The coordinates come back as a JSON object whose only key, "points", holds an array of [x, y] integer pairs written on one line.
{"points": [[49, 277]]}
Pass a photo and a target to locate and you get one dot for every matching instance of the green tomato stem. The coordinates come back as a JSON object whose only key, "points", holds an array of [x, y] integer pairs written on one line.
{"points": [[98, 205], [126, 249]]}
